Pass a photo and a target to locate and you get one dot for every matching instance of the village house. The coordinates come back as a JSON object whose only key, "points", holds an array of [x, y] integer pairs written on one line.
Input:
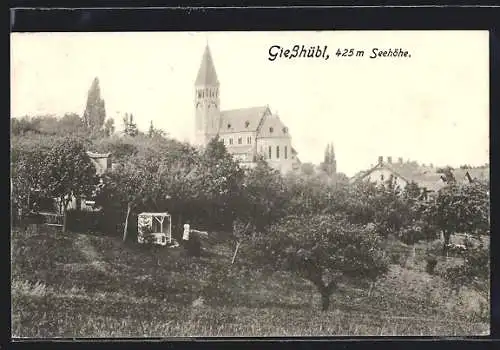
{"points": [[426, 177], [403, 173], [246, 132]]}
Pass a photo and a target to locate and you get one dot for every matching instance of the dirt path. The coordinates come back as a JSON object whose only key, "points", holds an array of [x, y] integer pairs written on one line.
{"points": [[85, 246]]}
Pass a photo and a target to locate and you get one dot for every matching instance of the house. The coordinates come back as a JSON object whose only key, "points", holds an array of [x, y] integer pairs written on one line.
{"points": [[403, 173], [246, 132], [472, 174]]}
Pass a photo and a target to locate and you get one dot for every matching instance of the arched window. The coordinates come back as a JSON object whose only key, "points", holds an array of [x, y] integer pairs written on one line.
{"points": [[270, 152], [286, 152], [199, 93], [230, 140], [277, 152]]}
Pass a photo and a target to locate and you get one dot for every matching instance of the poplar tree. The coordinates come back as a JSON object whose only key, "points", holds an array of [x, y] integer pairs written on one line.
{"points": [[95, 112]]}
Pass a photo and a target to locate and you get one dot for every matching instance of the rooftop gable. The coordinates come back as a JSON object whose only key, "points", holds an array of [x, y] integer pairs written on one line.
{"points": [[242, 119]]}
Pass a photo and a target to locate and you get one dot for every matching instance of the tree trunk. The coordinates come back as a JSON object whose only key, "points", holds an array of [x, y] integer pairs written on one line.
{"points": [[65, 219], [446, 237], [325, 300], [125, 229], [235, 252]]}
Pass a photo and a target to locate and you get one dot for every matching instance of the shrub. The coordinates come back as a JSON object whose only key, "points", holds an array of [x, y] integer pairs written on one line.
{"points": [[431, 263]]}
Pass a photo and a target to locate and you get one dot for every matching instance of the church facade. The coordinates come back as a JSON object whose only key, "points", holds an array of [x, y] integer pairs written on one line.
{"points": [[246, 132]]}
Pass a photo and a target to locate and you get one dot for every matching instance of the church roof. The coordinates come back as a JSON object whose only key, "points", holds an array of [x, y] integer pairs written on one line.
{"points": [[242, 119], [206, 73]]}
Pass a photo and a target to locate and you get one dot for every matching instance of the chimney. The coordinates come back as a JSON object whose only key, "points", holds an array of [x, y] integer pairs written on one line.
{"points": [[400, 160], [389, 160], [380, 160]]}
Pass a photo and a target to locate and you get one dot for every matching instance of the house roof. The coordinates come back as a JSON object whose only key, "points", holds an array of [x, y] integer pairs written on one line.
{"points": [[242, 119], [482, 173], [422, 176], [98, 155], [272, 126], [207, 75]]}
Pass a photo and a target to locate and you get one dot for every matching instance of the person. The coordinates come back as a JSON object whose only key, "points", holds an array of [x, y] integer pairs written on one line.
{"points": [[192, 243]]}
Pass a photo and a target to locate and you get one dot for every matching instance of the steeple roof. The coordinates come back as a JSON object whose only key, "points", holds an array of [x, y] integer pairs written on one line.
{"points": [[206, 73]]}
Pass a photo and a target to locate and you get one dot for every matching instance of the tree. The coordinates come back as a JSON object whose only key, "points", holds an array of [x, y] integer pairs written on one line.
{"points": [[95, 111], [68, 173], [326, 250], [154, 132], [264, 196], [129, 126], [109, 127], [26, 175], [460, 208], [129, 186], [218, 178]]}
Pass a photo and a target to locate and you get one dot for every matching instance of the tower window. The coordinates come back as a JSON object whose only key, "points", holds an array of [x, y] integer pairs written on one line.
{"points": [[270, 152], [230, 140], [285, 130], [240, 141], [382, 177], [247, 123], [271, 129], [229, 126], [249, 139], [277, 151], [286, 152]]}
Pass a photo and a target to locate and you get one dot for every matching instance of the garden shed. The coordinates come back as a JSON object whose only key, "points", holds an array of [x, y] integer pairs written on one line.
{"points": [[154, 228]]}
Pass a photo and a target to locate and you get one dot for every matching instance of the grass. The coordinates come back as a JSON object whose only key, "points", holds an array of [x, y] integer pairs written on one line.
{"points": [[76, 285]]}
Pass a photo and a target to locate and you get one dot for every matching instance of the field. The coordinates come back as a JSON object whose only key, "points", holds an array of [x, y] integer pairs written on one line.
{"points": [[78, 285]]}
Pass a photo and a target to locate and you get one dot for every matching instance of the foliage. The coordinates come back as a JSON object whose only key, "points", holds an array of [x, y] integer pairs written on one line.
{"points": [[475, 269], [68, 172], [263, 197], [26, 176], [129, 126], [95, 111], [324, 249], [69, 124], [109, 127], [460, 208]]}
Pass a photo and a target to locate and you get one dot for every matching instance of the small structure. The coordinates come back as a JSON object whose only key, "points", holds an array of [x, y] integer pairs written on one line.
{"points": [[154, 228]]}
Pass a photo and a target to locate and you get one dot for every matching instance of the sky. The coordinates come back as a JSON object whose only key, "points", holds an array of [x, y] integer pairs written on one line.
{"points": [[432, 107]]}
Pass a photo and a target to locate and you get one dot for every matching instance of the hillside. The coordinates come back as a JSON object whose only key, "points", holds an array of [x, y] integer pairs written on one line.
{"points": [[76, 285]]}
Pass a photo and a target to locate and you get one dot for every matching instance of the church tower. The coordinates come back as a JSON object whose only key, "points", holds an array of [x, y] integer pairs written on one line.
{"points": [[207, 101]]}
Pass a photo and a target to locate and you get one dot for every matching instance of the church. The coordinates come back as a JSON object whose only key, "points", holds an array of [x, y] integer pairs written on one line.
{"points": [[246, 132]]}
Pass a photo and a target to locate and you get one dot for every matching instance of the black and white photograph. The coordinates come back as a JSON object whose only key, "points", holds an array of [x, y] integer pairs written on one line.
{"points": [[249, 184]]}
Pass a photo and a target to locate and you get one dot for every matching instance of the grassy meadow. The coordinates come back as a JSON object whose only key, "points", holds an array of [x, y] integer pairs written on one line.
{"points": [[83, 285]]}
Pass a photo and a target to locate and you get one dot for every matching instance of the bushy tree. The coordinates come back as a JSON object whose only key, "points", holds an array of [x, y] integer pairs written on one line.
{"points": [[125, 188], [217, 179], [68, 173], [263, 196], [474, 271], [26, 177], [326, 250], [460, 208]]}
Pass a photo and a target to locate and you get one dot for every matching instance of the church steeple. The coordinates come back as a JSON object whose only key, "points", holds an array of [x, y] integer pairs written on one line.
{"points": [[207, 100], [207, 76]]}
